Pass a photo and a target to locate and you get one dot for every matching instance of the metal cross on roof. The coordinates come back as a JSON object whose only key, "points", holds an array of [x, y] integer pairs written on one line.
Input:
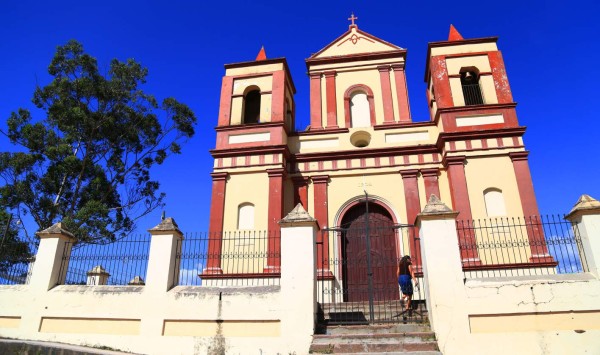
{"points": [[352, 18]]}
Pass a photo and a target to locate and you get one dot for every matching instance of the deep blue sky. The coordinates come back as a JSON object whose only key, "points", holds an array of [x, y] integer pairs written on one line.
{"points": [[550, 50]]}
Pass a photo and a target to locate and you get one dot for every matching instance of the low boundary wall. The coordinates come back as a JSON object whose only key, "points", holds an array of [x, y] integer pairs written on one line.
{"points": [[544, 314], [158, 318]]}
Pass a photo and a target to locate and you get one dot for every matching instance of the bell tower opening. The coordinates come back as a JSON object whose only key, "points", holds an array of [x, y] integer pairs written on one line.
{"points": [[251, 107], [469, 81]]}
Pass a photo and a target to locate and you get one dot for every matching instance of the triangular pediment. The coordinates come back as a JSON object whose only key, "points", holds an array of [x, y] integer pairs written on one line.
{"points": [[353, 42]]}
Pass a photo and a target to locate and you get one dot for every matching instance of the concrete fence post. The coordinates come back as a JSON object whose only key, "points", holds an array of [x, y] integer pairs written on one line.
{"points": [[162, 273], [48, 269], [586, 214], [163, 266], [442, 268], [298, 279]]}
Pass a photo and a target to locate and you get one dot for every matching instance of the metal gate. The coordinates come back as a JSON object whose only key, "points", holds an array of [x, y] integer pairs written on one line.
{"points": [[356, 269]]}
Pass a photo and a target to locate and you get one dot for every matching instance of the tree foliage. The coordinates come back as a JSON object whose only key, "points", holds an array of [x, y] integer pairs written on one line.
{"points": [[13, 250], [87, 163]]}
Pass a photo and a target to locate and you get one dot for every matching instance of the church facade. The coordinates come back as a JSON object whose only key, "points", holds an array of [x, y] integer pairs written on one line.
{"points": [[362, 143]]}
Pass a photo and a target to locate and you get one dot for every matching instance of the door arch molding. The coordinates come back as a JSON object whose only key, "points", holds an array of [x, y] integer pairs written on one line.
{"points": [[357, 200]]}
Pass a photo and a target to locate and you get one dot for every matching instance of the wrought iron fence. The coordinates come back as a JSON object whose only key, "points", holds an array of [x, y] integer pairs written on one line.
{"points": [[123, 262], [240, 258], [537, 245], [16, 261], [357, 280]]}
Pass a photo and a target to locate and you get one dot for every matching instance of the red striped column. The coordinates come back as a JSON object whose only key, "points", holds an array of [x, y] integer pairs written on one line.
{"points": [[315, 101], [432, 187], [322, 216], [225, 104], [441, 82], [215, 224], [459, 193], [386, 94], [275, 214], [402, 93], [413, 208], [301, 191], [500, 79], [278, 97], [535, 232], [331, 99]]}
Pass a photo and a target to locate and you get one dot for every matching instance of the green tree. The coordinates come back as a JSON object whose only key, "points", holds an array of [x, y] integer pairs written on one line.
{"points": [[87, 163], [13, 250]]}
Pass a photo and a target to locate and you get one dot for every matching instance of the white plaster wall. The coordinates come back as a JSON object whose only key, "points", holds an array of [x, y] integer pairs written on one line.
{"points": [[544, 314], [154, 319], [545, 302], [132, 302]]}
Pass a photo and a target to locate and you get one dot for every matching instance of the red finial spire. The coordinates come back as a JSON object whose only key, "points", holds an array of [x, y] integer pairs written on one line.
{"points": [[262, 55], [454, 35]]}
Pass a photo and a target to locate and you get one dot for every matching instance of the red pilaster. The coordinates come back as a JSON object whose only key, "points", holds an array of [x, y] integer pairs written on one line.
{"points": [[278, 97], [386, 94], [321, 215], [441, 83], [225, 104], [402, 93], [459, 193], [432, 187], [315, 101], [275, 215], [413, 208], [331, 100], [215, 224], [500, 79], [535, 232], [301, 191]]}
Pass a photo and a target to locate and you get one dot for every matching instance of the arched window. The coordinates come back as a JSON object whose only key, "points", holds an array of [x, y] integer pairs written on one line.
{"points": [[246, 216], [358, 106], [469, 80], [251, 107], [359, 109], [494, 202]]}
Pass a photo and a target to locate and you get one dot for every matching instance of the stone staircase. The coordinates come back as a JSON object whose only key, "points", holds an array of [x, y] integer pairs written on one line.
{"points": [[390, 311], [402, 333], [376, 339]]}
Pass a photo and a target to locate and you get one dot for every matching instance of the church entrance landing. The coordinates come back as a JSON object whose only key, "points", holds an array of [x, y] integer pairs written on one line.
{"points": [[356, 268]]}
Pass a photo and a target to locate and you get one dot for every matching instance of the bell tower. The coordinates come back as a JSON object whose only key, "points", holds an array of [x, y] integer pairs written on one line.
{"points": [[255, 96], [256, 114], [471, 102], [467, 85]]}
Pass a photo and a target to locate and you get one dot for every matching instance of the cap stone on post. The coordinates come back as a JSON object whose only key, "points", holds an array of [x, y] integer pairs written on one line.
{"points": [[585, 205], [435, 207], [55, 230], [297, 215], [166, 225]]}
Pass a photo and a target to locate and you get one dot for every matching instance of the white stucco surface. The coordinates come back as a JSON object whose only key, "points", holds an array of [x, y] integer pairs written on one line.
{"points": [[544, 314]]}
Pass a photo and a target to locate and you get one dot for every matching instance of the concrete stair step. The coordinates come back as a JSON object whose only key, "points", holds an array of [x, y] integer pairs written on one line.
{"points": [[345, 316], [390, 339], [378, 329], [427, 352], [367, 347], [379, 339]]}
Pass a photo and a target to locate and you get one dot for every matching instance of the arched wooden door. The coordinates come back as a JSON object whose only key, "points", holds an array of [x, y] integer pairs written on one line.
{"points": [[363, 232]]}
